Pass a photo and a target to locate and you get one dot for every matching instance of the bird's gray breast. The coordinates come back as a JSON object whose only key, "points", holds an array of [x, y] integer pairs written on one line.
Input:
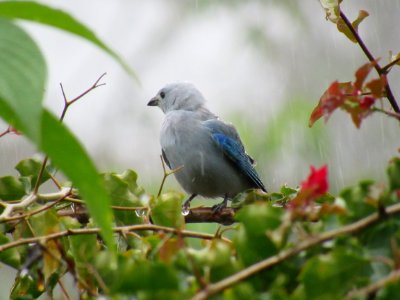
{"points": [[206, 171]]}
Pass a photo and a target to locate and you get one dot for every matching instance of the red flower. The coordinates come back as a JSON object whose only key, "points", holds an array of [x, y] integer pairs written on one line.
{"points": [[316, 184]]}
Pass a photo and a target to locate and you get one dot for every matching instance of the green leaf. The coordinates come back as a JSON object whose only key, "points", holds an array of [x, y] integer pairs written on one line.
{"points": [[252, 241], [67, 153], [131, 276], [22, 79], [260, 217], [11, 256], [120, 189], [362, 14], [342, 27], [11, 188], [331, 8], [393, 172], [30, 168], [167, 211], [36, 12], [332, 275], [356, 201]]}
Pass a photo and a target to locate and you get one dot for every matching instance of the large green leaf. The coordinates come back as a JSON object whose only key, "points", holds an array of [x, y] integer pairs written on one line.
{"points": [[67, 154], [22, 79], [36, 12]]}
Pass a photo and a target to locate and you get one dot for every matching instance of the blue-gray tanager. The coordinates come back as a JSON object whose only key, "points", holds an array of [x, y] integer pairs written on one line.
{"points": [[213, 159]]}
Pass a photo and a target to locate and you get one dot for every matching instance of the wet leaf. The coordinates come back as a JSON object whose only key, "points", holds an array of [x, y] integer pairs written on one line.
{"points": [[332, 9], [394, 57], [166, 210], [11, 188], [332, 98], [331, 276], [136, 275], [22, 79], [342, 27], [122, 189], [362, 73], [362, 14], [377, 86], [44, 224], [30, 168], [393, 172], [11, 256]]}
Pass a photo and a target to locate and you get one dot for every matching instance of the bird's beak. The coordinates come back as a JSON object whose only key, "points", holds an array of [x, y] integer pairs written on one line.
{"points": [[153, 102]]}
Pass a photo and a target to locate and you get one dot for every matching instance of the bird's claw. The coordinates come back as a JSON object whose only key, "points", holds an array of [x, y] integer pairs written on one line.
{"points": [[217, 208]]}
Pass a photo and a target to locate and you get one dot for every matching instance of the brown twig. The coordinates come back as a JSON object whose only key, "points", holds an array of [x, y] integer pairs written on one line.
{"points": [[119, 229], [371, 58], [394, 276], [166, 174], [37, 211], [67, 104], [388, 113], [307, 243], [386, 68], [5, 132], [196, 215]]}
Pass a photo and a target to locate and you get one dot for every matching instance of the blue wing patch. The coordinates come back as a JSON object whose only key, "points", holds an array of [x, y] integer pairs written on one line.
{"points": [[234, 150]]}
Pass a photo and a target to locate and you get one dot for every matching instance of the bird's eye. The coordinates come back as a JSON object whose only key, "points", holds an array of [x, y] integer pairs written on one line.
{"points": [[162, 95]]}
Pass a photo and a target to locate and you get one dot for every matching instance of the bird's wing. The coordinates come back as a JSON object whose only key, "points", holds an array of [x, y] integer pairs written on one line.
{"points": [[165, 158], [228, 140]]}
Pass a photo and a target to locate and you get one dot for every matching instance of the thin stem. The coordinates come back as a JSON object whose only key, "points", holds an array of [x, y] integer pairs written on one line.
{"points": [[374, 287], [387, 68], [67, 104], [37, 211], [166, 174], [378, 68], [40, 175], [119, 229], [388, 113], [5, 132], [307, 243], [63, 289]]}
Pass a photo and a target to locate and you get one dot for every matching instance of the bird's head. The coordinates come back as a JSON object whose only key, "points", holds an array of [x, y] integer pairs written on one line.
{"points": [[178, 96]]}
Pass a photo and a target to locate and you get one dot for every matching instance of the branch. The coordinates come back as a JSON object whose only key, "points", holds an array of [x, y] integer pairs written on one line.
{"points": [[119, 229], [386, 68], [374, 287], [267, 263], [67, 104], [31, 198], [166, 174], [389, 113], [196, 215], [371, 58]]}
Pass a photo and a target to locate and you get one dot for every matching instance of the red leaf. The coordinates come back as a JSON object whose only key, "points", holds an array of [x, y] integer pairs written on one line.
{"points": [[362, 14], [330, 100], [377, 86], [357, 112], [362, 73], [366, 102]]}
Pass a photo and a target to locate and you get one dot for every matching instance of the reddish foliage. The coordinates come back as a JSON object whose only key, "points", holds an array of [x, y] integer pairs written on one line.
{"points": [[316, 182], [315, 186], [366, 102], [350, 96]]}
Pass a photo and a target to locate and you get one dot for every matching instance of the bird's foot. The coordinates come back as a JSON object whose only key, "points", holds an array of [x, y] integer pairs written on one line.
{"points": [[220, 206]]}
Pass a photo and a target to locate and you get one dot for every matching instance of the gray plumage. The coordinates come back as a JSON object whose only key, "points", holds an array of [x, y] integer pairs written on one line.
{"points": [[213, 157]]}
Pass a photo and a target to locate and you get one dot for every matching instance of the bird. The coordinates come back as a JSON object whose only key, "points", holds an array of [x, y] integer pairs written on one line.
{"points": [[209, 152]]}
